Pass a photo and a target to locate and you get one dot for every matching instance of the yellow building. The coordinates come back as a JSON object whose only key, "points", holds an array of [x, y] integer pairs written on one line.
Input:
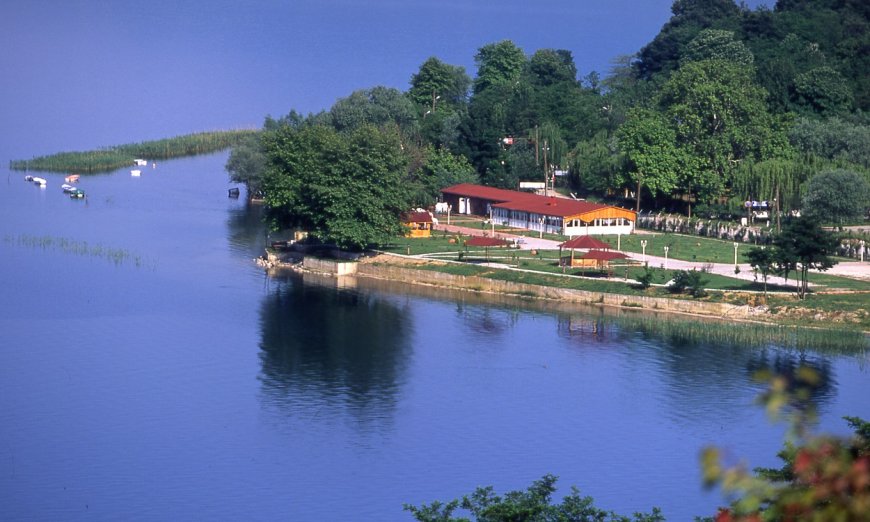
{"points": [[419, 224]]}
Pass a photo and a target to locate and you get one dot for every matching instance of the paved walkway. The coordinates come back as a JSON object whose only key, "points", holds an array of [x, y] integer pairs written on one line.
{"points": [[851, 269]]}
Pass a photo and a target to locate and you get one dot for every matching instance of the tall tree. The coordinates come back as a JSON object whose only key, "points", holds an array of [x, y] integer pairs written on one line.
{"points": [[440, 93], [650, 147], [720, 119], [348, 189], [804, 246], [498, 64], [378, 106], [438, 85], [717, 44], [764, 261], [837, 196], [663, 54], [439, 169], [247, 164]]}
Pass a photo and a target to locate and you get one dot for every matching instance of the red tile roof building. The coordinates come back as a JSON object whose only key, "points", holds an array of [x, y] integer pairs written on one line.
{"points": [[554, 215]]}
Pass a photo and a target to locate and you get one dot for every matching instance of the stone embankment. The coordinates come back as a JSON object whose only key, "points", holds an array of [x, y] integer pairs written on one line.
{"points": [[403, 269]]}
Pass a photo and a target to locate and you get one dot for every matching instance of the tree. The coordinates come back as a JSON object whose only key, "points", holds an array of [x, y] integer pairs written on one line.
{"points": [[439, 169], [764, 261], [378, 106], [649, 145], [596, 165], [720, 119], [532, 505], [716, 44], [247, 164], [348, 189], [822, 477], [803, 246], [837, 196], [833, 139], [438, 85], [498, 64], [824, 91]]}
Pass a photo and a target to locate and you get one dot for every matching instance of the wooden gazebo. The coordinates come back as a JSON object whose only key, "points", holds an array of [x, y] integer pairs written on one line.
{"points": [[581, 242]]}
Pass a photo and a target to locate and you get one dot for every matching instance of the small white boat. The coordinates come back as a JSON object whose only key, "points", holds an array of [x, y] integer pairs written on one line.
{"points": [[67, 188], [140, 162], [136, 172], [39, 181], [28, 178], [72, 178]]}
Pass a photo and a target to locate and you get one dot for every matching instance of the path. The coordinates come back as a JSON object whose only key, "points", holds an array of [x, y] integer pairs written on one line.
{"points": [[852, 269]]}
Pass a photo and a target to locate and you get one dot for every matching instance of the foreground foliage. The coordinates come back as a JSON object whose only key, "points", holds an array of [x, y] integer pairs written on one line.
{"points": [[822, 478], [532, 505]]}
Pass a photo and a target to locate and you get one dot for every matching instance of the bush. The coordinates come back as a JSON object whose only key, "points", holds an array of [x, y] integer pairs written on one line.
{"points": [[689, 281]]}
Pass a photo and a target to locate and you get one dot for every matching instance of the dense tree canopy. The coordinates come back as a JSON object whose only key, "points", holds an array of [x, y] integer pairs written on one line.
{"points": [[837, 196], [346, 189], [724, 105]]}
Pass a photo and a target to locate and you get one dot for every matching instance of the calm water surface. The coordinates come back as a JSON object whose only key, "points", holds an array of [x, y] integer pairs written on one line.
{"points": [[150, 371]]}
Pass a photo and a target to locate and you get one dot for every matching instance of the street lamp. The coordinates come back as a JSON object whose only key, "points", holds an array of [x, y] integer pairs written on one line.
{"points": [[619, 242], [862, 250], [643, 247], [666, 257], [541, 221], [736, 244], [449, 208]]}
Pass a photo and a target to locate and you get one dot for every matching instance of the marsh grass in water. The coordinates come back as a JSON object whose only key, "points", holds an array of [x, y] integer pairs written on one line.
{"points": [[117, 256], [111, 158], [754, 335]]}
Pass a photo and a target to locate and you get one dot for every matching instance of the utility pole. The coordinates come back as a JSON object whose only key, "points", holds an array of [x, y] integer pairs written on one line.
{"points": [[546, 172]]}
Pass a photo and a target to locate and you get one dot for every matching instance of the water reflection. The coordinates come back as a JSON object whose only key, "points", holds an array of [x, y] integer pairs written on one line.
{"points": [[808, 391], [246, 232], [327, 350], [701, 368]]}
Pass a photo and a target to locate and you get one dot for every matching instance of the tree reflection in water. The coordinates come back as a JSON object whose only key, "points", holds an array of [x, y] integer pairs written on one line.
{"points": [[327, 350]]}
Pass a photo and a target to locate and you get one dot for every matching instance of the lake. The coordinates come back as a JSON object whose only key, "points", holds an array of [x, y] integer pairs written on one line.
{"points": [[149, 370]]}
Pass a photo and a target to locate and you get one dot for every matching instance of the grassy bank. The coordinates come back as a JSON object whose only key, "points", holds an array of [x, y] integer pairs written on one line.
{"points": [[837, 301], [111, 158]]}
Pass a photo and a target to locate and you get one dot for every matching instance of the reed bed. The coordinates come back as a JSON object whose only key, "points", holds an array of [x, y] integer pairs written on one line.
{"points": [[117, 256], [111, 158], [687, 332]]}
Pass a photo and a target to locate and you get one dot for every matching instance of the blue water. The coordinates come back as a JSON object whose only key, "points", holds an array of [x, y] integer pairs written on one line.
{"points": [[149, 370]]}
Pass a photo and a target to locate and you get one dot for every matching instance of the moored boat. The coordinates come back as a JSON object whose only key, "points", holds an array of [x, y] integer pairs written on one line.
{"points": [[136, 172], [72, 178], [28, 178], [76, 193], [67, 188], [40, 181]]}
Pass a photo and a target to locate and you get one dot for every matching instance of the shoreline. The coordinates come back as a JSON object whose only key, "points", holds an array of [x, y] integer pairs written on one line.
{"points": [[401, 269]]}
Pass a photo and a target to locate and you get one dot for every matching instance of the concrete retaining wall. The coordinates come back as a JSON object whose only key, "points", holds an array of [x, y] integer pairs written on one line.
{"points": [[481, 284], [329, 266]]}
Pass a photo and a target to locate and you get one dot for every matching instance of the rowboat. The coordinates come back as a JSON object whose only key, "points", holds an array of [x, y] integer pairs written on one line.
{"points": [[67, 188], [40, 181], [136, 172], [72, 178], [76, 193]]}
